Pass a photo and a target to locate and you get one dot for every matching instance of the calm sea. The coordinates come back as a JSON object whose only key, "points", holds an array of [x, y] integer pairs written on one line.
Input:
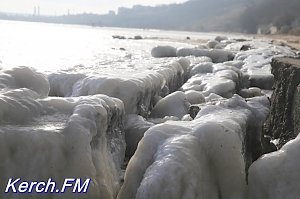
{"points": [[52, 47]]}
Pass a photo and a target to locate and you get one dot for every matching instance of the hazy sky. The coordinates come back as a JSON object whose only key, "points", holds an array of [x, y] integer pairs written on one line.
{"points": [[75, 6]]}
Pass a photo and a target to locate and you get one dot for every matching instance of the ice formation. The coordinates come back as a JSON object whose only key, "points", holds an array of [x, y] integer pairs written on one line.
{"points": [[276, 175], [81, 129], [204, 158], [49, 137], [163, 51], [166, 106], [137, 92], [135, 127]]}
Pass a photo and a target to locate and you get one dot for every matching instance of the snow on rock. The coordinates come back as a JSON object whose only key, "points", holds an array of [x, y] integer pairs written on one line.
{"points": [[62, 83], [223, 83], [276, 175], [213, 97], [203, 158], [198, 60], [194, 97], [257, 61], [163, 51], [212, 43], [175, 104], [135, 127], [138, 92], [205, 67], [24, 77], [217, 55], [250, 92], [221, 38], [79, 136], [19, 106]]}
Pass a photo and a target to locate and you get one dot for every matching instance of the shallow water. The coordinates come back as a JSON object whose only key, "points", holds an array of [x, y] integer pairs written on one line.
{"points": [[52, 47]]}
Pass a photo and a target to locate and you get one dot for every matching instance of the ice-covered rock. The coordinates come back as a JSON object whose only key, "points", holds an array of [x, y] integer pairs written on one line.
{"points": [[194, 97], [163, 51], [257, 62], [42, 138], [138, 92], [135, 126], [212, 43], [221, 38], [213, 97], [217, 55], [175, 104], [205, 67], [251, 92], [24, 77], [203, 158], [220, 83], [276, 175]]}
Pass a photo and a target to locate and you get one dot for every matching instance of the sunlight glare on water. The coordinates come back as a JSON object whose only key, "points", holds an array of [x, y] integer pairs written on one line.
{"points": [[52, 47]]}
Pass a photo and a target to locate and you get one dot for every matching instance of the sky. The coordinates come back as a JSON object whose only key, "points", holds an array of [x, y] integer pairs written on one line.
{"points": [[58, 7]]}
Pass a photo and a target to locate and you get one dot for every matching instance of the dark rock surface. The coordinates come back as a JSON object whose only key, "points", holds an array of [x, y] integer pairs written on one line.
{"points": [[283, 120]]}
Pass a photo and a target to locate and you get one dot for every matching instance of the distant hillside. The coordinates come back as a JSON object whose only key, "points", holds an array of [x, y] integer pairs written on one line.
{"points": [[195, 15], [285, 14]]}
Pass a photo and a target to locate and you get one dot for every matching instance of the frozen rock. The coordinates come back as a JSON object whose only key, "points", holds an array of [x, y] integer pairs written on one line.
{"points": [[19, 106], [221, 83], [83, 139], [62, 83], [257, 62], [137, 37], [24, 77], [175, 104], [212, 43], [251, 92], [212, 97], [216, 55], [163, 120], [194, 97], [276, 175], [205, 67], [163, 51], [210, 151], [135, 127], [187, 117], [198, 60], [138, 92], [221, 38]]}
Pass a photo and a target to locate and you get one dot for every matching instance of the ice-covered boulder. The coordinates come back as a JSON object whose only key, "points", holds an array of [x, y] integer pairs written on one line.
{"points": [[194, 97], [203, 158], [135, 126], [250, 92], [19, 106], [276, 175], [221, 38], [62, 83], [138, 92], [80, 137], [175, 104], [163, 51], [205, 67], [217, 55], [212, 43], [257, 62], [24, 77]]}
